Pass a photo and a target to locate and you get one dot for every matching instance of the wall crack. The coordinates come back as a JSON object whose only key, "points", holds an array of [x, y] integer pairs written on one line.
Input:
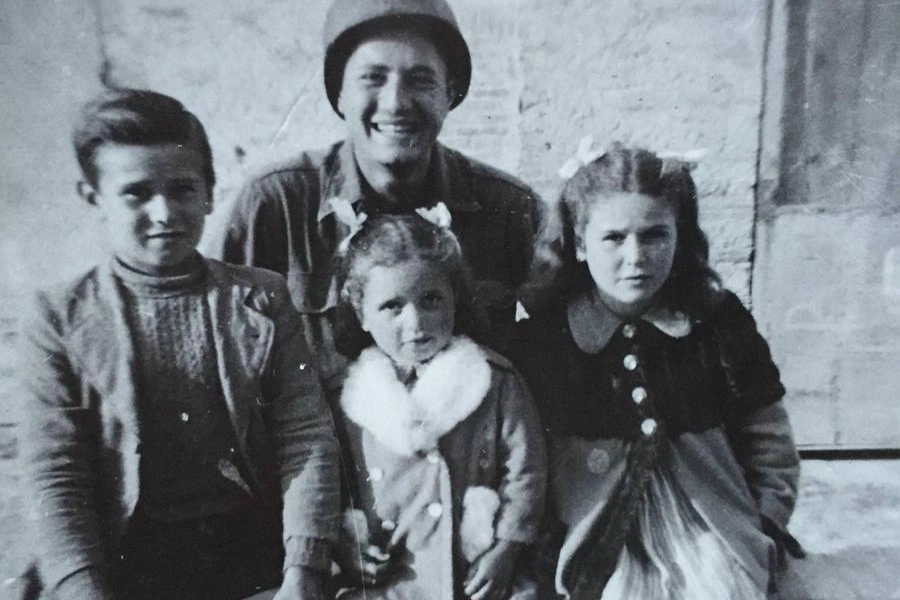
{"points": [[106, 67]]}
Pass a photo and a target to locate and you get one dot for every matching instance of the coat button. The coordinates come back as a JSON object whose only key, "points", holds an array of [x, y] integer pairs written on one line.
{"points": [[434, 457], [630, 362], [435, 509], [638, 394], [388, 525], [648, 427], [376, 474], [628, 330]]}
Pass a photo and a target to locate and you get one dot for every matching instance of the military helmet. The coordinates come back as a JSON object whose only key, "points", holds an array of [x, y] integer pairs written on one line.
{"points": [[349, 22]]}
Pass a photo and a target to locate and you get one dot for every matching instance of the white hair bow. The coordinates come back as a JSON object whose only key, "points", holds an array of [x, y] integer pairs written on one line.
{"points": [[673, 161], [438, 214], [585, 154], [343, 212]]}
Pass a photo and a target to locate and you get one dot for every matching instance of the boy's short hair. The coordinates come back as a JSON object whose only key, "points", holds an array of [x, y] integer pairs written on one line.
{"points": [[141, 118]]}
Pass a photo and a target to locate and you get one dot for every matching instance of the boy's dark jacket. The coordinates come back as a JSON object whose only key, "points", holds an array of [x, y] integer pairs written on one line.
{"points": [[83, 440]]}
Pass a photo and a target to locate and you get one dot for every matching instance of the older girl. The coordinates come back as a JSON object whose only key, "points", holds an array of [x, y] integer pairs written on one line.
{"points": [[673, 470], [445, 459]]}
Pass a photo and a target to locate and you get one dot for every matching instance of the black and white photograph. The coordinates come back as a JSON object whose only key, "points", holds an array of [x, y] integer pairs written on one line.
{"points": [[450, 300]]}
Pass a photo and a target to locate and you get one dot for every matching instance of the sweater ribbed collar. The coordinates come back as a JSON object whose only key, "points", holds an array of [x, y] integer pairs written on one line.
{"points": [[164, 284]]}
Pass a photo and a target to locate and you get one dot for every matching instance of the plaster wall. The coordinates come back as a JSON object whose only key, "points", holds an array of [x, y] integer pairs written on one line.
{"points": [[826, 283]]}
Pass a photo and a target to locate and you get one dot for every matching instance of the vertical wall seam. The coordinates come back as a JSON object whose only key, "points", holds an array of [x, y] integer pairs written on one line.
{"points": [[105, 71], [760, 134], [861, 60]]}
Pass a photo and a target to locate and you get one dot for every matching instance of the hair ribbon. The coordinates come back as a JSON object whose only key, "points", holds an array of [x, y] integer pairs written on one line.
{"points": [[343, 212], [585, 155], [672, 162], [438, 215]]}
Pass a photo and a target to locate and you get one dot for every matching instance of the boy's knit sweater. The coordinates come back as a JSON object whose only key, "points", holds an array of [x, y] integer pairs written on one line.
{"points": [[188, 447]]}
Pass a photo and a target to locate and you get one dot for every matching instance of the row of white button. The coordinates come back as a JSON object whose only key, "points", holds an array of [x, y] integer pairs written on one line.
{"points": [[638, 394], [434, 510]]}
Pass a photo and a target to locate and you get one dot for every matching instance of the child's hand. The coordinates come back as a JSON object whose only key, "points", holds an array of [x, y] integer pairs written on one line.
{"points": [[368, 565], [491, 574]]}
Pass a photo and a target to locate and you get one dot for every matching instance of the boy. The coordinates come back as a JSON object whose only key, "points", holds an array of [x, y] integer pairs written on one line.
{"points": [[170, 409]]}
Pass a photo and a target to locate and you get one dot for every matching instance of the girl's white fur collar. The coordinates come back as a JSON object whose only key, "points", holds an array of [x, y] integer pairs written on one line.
{"points": [[448, 389]]}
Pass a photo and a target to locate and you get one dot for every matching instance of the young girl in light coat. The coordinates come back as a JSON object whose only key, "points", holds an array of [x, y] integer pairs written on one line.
{"points": [[444, 456]]}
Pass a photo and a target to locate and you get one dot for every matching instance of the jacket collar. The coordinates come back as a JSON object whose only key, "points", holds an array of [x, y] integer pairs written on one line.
{"points": [[243, 337], [103, 348], [593, 324], [448, 389], [344, 180]]}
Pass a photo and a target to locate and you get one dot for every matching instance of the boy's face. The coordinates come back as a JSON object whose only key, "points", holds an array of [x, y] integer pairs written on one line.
{"points": [[153, 200], [409, 310]]}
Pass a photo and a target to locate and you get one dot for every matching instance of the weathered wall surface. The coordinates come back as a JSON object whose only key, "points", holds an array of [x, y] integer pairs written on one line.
{"points": [[827, 265], [663, 75], [833, 316], [667, 74]]}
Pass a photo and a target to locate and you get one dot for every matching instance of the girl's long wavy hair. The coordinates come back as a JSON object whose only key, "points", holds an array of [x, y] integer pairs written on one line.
{"points": [[692, 287], [387, 240]]}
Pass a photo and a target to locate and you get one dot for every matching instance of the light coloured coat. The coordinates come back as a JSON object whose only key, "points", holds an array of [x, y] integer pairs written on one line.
{"points": [[440, 470]]}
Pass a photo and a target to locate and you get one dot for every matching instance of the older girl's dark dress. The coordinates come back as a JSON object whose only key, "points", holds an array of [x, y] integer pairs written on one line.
{"points": [[670, 449]]}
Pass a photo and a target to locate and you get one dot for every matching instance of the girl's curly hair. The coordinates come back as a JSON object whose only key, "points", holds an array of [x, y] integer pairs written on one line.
{"points": [[386, 240]]}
